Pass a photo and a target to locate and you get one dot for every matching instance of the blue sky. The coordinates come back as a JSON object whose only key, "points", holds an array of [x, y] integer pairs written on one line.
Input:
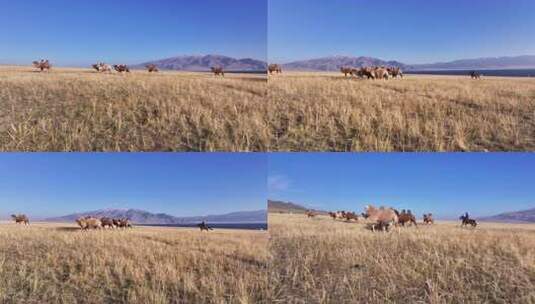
{"points": [[411, 31], [81, 32], [446, 184], [180, 184]]}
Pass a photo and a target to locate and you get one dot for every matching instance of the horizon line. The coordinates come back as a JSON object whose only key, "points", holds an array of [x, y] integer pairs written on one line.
{"points": [[135, 209], [400, 61]]}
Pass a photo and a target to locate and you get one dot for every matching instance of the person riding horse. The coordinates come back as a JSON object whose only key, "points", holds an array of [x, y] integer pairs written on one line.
{"points": [[204, 226]]}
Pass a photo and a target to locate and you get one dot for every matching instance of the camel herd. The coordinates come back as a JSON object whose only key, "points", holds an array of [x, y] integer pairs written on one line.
{"points": [[385, 217], [373, 72], [90, 222], [94, 223], [101, 67]]}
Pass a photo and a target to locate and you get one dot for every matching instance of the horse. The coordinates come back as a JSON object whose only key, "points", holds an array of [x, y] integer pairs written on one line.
{"points": [[475, 75], [203, 226], [466, 220]]}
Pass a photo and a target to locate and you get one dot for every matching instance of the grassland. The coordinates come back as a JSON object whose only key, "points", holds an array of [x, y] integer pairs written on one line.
{"points": [[81, 110], [324, 261], [326, 112], [57, 263]]}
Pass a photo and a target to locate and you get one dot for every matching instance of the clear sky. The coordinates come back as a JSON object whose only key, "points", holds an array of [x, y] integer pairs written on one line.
{"points": [[81, 32], [411, 31], [180, 184], [446, 184]]}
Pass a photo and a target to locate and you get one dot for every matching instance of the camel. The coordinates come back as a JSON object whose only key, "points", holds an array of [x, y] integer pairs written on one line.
{"points": [[122, 223], [351, 216], [383, 216], [89, 222], [102, 67], [428, 218], [107, 222], [406, 217], [218, 71], [381, 73], [366, 72], [347, 71], [42, 65], [121, 68], [274, 68], [395, 72], [21, 219], [152, 68]]}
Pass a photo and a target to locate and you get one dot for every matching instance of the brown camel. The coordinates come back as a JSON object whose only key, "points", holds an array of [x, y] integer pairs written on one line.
{"points": [[347, 71], [218, 71], [428, 218], [274, 68], [20, 219], [121, 68], [42, 65], [152, 68]]}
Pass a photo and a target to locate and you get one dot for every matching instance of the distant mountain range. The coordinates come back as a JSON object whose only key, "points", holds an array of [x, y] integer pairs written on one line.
{"points": [[524, 216], [204, 63], [289, 207], [518, 62], [145, 217], [334, 63]]}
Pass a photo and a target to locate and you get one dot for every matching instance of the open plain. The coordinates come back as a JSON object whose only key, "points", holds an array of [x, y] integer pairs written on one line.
{"points": [[70, 109], [58, 263], [320, 260], [312, 111]]}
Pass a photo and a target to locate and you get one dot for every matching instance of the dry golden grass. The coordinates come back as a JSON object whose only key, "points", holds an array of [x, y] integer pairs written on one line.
{"points": [[57, 263], [322, 261], [81, 110], [326, 112]]}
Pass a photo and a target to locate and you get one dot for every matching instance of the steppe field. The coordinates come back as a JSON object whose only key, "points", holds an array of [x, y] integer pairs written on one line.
{"points": [[58, 263], [328, 112], [320, 260], [82, 110]]}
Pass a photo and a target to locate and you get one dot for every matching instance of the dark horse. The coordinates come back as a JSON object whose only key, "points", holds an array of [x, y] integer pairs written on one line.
{"points": [[475, 75], [466, 220], [204, 226]]}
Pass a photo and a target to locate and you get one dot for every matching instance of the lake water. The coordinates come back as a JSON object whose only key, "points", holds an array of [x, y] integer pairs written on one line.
{"points": [[504, 73], [246, 226]]}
